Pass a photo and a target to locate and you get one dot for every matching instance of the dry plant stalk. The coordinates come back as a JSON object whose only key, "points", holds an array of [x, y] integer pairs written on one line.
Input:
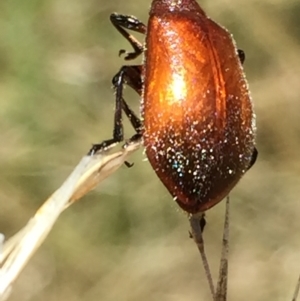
{"points": [[296, 293], [220, 294], [16, 252]]}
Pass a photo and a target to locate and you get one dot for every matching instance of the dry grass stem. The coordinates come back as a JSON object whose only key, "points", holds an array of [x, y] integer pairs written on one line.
{"points": [[17, 251], [296, 293], [221, 293], [196, 232]]}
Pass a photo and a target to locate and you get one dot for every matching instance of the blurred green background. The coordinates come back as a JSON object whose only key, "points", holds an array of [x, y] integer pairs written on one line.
{"points": [[128, 240]]}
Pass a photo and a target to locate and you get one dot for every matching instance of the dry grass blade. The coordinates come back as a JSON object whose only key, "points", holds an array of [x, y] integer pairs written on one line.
{"points": [[221, 293], [18, 250], [196, 231], [296, 293]]}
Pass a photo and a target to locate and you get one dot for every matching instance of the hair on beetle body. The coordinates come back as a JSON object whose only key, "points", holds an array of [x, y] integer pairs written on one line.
{"points": [[198, 123]]}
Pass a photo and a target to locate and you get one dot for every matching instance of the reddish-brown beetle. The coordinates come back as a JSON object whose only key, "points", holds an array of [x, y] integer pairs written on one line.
{"points": [[198, 122]]}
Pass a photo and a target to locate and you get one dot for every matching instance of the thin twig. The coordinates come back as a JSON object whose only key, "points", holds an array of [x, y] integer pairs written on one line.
{"points": [[196, 232], [221, 293], [297, 289]]}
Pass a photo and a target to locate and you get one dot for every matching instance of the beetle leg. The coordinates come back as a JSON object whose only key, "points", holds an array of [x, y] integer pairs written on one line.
{"points": [[132, 76], [253, 158], [202, 222], [123, 22], [241, 55]]}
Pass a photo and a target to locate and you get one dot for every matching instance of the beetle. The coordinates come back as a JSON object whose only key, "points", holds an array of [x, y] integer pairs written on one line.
{"points": [[198, 123]]}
